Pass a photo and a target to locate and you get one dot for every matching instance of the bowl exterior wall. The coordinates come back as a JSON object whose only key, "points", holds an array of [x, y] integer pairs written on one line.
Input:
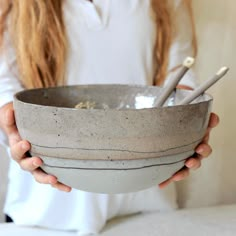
{"points": [[114, 181], [112, 134], [112, 151]]}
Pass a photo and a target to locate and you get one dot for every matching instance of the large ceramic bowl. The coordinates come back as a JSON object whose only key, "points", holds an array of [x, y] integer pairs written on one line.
{"points": [[123, 144]]}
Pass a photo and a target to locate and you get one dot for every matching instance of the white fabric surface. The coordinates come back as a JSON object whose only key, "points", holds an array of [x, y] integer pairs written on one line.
{"points": [[217, 221], [108, 44]]}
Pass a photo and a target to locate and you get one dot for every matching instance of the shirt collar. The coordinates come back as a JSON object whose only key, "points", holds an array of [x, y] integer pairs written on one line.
{"points": [[96, 13]]}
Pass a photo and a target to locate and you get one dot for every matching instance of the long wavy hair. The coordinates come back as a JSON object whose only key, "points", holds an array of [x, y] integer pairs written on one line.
{"points": [[40, 41]]}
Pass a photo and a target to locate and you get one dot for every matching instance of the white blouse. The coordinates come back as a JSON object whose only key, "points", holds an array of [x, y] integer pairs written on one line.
{"points": [[110, 41]]}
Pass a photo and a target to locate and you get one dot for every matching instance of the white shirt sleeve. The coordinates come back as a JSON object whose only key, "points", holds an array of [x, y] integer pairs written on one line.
{"points": [[9, 83], [182, 45]]}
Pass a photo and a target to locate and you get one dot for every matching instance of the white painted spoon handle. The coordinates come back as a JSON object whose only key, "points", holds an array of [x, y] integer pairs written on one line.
{"points": [[188, 62], [202, 88]]}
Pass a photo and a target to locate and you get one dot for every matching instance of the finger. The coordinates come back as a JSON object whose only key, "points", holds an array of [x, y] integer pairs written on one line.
{"points": [[62, 187], [206, 138], [165, 183], [30, 164], [43, 178], [214, 120], [203, 150], [180, 175], [193, 163], [19, 149], [14, 138]]}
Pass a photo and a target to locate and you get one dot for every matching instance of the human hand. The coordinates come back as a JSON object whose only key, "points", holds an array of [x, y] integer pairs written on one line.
{"points": [[203, 150], [19, 149]]}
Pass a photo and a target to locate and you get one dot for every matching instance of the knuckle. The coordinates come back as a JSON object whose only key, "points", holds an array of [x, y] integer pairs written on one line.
{"points": [[207, 152], [55, 186], [15, 151], [37, 177], [27, 165], [40, 177], [39, 180], [23, 167], [198, 165], [205, 146]]}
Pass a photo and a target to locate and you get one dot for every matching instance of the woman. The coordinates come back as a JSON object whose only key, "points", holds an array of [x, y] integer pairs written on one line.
{"points": [[50, 43]]}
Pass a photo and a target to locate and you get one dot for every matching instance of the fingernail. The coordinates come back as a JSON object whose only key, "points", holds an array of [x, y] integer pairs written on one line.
{"points": [[199, 150], [35, 164], [190, 164], [24, 146], [67, 189]]}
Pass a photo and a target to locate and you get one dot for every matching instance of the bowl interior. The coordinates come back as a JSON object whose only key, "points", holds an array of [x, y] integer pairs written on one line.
{"points": [[102, 96]]}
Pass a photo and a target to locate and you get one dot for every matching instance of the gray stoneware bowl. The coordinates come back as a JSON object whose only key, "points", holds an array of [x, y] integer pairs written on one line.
{"points": [[123, 144]]}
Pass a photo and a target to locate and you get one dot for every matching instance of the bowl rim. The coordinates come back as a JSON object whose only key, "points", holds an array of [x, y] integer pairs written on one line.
{"points": [[209, 98]]}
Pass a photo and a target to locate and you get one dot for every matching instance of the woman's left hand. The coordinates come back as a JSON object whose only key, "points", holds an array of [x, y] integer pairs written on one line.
{"points": [[203, 150]]}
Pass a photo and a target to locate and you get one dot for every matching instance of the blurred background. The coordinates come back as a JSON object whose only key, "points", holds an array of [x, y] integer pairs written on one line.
{"points": [[214, 183]]}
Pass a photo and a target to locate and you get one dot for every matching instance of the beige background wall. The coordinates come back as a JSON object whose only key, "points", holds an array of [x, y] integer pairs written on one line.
{"points": [[215, 182]]}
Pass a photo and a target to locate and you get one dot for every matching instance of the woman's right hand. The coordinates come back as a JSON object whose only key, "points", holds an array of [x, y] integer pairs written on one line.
{"points": [[19, 149]]}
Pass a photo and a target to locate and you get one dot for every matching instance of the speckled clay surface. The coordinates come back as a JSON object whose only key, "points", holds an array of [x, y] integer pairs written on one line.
{"points": [[120, 149]]}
